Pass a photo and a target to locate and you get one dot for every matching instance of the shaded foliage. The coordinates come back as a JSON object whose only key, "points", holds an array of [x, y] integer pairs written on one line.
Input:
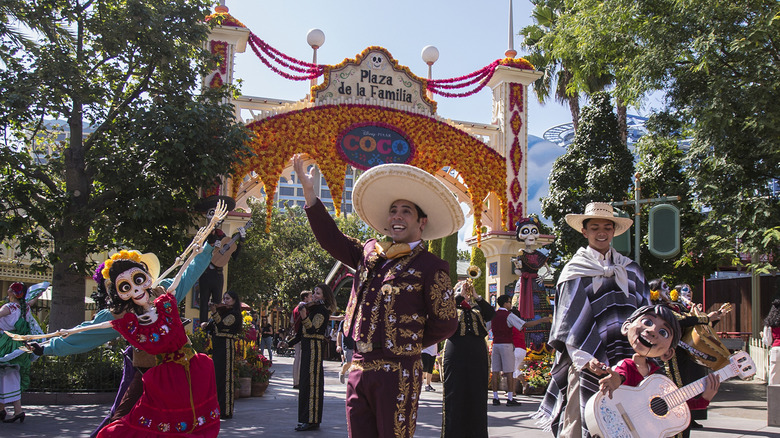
{"points": [[123, 80], [596, 167], [275, 267]]}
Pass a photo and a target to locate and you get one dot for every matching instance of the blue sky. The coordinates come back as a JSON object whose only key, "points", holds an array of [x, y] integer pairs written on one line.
{"points": [[468, 34]]}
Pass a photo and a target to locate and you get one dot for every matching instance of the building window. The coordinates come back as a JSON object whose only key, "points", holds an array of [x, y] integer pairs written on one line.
{"points": [[286, 191], [299, 192]]}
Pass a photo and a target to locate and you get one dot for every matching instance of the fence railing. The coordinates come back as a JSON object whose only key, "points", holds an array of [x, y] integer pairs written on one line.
{"points": [[760, 355]]}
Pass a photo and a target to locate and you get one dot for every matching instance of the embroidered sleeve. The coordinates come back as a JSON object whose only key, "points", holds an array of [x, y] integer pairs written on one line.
{"points": [[442, 315]]}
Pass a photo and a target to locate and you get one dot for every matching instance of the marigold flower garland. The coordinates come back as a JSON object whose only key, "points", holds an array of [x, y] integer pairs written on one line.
{"points": [[315, 131]]}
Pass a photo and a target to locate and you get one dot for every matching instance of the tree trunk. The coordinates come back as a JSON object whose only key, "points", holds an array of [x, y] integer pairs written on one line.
{"points": [[574, 108], [622, 121], [68, 283]]}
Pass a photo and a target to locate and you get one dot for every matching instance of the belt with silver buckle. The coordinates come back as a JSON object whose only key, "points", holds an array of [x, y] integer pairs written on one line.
{"points": [[367, 347]]}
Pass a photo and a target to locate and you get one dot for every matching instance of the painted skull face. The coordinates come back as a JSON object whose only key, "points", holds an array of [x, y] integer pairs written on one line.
{"points": [[134, 284], [528, 233], [686, 292], [377, 61]]}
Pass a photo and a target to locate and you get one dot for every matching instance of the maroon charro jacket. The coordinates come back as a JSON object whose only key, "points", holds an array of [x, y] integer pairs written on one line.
{"points": [[402, 306]]}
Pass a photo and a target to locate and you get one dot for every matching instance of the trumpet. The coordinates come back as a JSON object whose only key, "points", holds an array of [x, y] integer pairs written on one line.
{"points": [[473, 272]]}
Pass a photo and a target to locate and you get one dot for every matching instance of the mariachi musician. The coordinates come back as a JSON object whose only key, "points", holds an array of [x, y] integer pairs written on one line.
{"points": [[211, 282]]}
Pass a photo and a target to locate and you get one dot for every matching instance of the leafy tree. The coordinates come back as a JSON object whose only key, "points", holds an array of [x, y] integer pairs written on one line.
{"points": [[541, 39], [596, 167], [662, 168], [275, 267], [434, 246], [718, 65], [478, 259], [141, 142], [449, 253]]}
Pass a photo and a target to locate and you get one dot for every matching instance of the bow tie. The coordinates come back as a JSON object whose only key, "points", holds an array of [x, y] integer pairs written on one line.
{"points": [[390, 250]]}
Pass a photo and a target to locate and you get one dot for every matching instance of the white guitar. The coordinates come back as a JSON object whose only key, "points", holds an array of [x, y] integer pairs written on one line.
{"points": [[656, 408]]}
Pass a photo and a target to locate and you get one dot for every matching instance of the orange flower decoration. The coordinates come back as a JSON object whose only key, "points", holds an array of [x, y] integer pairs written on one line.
{"points": [[315, 131]]}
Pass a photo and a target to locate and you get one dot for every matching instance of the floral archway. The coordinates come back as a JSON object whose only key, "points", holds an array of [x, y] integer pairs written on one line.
{"points": [[315, 131]]}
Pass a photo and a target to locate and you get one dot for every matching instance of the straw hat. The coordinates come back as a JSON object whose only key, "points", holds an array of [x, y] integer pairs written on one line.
{"points": [[382, 185], [599, 210], [152, 264]]}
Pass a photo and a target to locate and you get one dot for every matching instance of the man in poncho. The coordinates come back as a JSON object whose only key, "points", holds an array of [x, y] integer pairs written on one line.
{"points": [[597, 291]]}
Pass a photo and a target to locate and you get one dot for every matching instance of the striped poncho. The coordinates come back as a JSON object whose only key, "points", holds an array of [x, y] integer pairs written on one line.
{"points": [[591, 303]]}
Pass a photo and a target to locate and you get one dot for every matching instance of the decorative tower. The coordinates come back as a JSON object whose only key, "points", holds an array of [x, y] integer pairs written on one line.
{"points": [[510, 98]]}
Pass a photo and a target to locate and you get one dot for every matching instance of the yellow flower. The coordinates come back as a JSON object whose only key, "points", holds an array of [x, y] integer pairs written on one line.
{"points": [[674, 295], [655, 295]]}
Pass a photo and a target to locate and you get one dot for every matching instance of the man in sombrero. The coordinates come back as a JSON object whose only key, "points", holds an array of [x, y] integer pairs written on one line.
{"points": [[401, 301], [597, 291]]}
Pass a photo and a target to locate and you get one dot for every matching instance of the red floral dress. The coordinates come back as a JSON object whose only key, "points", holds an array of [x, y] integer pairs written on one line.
{"points": [[180, 395]]}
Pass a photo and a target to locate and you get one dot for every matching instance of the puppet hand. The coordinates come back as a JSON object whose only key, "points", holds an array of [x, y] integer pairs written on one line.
{"points": [[242, 231], [36, 348], [610, 383]]}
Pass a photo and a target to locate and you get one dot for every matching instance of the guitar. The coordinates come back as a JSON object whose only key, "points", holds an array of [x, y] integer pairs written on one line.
{"points": [[221, 256], [655, 408]]}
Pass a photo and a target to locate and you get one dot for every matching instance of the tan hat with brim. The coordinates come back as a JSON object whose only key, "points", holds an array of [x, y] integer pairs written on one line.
{"points": [[599, 210], [382, 185], [152, 264]]}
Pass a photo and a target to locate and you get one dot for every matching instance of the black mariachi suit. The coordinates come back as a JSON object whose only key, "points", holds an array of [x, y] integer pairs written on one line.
{"points": [[466, 373], [227, 326], [312, 381]]}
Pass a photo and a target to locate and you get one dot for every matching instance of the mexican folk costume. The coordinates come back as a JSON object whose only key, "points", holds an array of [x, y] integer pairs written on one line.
{"points": [[14, 362], [226, 325], [179, 393], [397, 307], [466, 373], [592, 301], [312, 377]]}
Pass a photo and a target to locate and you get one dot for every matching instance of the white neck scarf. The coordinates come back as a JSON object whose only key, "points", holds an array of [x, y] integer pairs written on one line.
{"points": [[584, 264]]}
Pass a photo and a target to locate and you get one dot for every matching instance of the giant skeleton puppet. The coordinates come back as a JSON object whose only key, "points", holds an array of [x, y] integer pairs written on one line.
{"points": [[179, 392], [527, 265], [211, 282]]}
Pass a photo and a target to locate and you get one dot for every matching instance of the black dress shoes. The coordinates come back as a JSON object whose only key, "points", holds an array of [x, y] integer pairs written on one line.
{"points": [[19, 416], [307, 426]]}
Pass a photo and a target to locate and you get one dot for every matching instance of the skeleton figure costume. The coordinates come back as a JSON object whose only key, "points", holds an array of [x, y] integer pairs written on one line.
{"points": [[179, 393]]}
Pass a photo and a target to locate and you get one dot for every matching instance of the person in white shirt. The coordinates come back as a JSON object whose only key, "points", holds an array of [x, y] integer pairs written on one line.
{"points": [[503, 355]]}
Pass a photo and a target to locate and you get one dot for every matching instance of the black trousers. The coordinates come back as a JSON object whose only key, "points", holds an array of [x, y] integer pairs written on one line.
{"points": [[210, 287]]}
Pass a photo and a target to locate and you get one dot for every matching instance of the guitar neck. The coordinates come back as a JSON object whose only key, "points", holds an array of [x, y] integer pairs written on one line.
{"points": [[226, 246], [691, 390]]}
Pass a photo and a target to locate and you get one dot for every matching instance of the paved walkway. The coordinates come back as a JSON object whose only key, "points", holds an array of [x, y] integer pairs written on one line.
{"points": [[739, 410]]}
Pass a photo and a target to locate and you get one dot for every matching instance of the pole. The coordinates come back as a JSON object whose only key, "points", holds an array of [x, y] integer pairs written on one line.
{"points": [[637, 213]]}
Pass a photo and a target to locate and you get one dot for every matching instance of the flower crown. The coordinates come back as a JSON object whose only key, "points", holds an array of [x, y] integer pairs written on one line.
{"points": [[121, 255]]}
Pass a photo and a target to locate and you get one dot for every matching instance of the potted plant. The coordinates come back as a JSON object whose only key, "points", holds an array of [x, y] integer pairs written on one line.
{"points": [[261, 371], [538, 364], [244, 370]]}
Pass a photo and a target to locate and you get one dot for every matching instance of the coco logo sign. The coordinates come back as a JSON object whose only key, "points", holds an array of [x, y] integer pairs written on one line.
{"points": [[367, 145]]}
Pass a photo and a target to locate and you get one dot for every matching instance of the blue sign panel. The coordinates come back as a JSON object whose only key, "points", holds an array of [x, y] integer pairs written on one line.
{"points": [[370, 144]]}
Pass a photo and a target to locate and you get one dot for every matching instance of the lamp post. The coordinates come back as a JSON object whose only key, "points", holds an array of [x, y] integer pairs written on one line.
{"points": [[430, 54], [315, 38]]}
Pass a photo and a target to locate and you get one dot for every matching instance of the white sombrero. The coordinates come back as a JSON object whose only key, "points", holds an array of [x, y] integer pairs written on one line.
{"points": [[381, 185], [599, 210]]}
